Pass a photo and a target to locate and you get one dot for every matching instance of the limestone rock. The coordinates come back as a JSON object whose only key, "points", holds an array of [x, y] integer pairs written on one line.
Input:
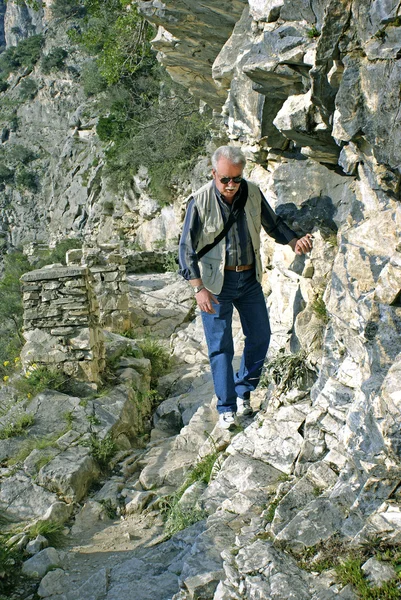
{"points": [[320, 520], [36, 545], [275, 442], [71, 473], [23, 499], [90, 514], [52, 584], [137, 502], [378, 572], [41, 563]]}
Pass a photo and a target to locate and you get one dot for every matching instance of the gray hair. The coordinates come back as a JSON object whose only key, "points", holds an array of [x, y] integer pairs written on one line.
{"points": [[234, 155]]}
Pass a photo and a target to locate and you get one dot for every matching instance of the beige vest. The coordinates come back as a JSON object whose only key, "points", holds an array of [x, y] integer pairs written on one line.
{"points": [[212, 264]]}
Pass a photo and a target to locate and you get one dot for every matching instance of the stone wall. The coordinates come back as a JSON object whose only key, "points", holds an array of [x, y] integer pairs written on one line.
{"points": [[107, 267], [61, 322]]}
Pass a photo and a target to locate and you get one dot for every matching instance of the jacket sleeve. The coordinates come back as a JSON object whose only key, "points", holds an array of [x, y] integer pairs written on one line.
{"points": [[274, 225], [189, 267]]}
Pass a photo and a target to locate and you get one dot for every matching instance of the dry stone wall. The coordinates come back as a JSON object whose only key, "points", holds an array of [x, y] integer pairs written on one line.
{"points": [[108, 272], [61, 321]]}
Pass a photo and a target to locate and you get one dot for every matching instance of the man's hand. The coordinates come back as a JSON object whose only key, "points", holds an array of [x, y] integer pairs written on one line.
{"points": [[302, 245], [205, 300]]}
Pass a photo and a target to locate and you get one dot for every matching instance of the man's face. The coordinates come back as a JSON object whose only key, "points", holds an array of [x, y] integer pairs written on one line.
{"points": [[225, 168]]}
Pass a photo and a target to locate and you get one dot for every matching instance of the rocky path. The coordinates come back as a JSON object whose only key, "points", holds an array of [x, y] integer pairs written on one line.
{"points": [[130, 556], [272, 505]]}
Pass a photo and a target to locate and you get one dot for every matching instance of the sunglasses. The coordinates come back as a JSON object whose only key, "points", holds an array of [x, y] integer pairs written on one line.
{"points": [[237, 179]]}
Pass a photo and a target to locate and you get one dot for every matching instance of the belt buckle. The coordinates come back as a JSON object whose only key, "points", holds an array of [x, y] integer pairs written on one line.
{"points": [[239, 268]]}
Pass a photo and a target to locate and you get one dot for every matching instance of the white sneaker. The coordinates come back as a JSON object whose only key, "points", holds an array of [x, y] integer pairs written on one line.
{"points": [[244, 407], [227, 420]]}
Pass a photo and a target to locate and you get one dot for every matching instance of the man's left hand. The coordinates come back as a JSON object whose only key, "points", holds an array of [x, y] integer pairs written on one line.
{"points": [[303, 244]]}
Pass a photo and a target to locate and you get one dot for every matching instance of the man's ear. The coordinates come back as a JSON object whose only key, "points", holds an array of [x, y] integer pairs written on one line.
{"points": [[213, 174]]}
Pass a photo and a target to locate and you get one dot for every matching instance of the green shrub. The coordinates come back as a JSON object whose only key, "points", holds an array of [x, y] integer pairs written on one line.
{"points": [[26, 180], [3, 85], [10, 564], [11, 308], [66, 9], [28, 88], [319, 307], [17, 427], [9, 350], [57, 255], [53, 532], [39, 378], [6, 174], [25, 54], [19, 154], [159, 357], [313, 32], [54, 60], [148, 119], [92, 80], [170, 264], [102, 450]]}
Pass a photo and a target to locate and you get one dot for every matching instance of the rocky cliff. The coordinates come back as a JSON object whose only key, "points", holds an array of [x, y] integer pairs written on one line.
{"points": [[312, 97]]}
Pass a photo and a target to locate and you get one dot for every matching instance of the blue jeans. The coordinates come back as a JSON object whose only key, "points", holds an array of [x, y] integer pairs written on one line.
{"points": [[245, 293]]}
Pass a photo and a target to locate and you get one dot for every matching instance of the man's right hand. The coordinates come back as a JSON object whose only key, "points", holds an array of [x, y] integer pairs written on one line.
{"points": [[205, 299]]}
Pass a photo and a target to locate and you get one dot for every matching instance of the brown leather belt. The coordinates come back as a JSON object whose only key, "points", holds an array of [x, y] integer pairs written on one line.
{"points": [[239, 268]]}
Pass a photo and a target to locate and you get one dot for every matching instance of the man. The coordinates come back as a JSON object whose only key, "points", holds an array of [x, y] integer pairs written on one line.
{"points": [[229, 274]]}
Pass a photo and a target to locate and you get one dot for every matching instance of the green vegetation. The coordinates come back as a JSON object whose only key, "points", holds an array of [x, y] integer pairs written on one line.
{"points": [[10, 566], [180, 518], [66, 9], [25, 54], [111, 510], [54, 60], [18, 427], [39, 378], [170, 263], [11, 310], [349, 572], [159, 357], [145, 118], [31, 444], [102, 450], [53, 532], [28, 88], [177, 517], [57, 254], [287, 371], [26, 180], [313, 32], [6, 174], [319, 307], [271, 510]]}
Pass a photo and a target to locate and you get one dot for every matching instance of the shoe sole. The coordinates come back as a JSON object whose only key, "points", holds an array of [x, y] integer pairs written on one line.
{"points": [[245, 413]]}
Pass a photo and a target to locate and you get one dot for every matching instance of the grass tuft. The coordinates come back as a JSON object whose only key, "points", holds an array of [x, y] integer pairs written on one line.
{"points": [[53, 532], [17, 427], [177, 517]]}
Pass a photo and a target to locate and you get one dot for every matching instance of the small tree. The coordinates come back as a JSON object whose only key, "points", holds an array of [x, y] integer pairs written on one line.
{"points": [[66, 9], [54, 60], [28, 89]]}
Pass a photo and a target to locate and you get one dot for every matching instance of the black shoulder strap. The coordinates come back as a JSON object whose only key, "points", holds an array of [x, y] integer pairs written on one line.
{"points": [[237, 209]]}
